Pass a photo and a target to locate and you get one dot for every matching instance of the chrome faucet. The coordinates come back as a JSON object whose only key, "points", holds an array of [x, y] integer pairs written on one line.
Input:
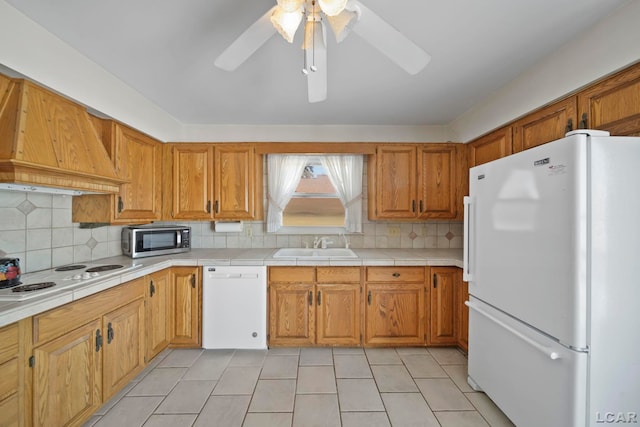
{"points": [[322, 242]]}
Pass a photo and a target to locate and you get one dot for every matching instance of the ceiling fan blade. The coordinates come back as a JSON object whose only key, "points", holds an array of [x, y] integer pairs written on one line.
{"points": [[381, 35], [317, 59], [248, 42]]}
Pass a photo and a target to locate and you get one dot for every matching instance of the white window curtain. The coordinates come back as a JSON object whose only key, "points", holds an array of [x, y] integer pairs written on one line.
{"points": [[283, 175], [345, 173]]}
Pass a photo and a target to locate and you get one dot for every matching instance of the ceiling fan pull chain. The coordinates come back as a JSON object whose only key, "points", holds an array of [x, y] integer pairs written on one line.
{"points": [[313, 38]]}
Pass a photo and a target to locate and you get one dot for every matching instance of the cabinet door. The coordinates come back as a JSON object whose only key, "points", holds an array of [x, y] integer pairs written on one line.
{"points": [[490, 147], [338, 314], [10, 412], [66, 378], [545, 125], [395, 182], [291, 314], [123, 356], [442, 302], [186, 305], [192, 186], [234, 185], [437, 181], [613, 104], [158, 312], [394, 314], [138, 159]]}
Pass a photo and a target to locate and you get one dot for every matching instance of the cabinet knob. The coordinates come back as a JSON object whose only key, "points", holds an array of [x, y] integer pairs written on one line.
{"points": [[396, 274]]}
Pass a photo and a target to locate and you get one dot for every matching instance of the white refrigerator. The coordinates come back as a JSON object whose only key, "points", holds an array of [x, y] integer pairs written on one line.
{"points": [[552, 250]]}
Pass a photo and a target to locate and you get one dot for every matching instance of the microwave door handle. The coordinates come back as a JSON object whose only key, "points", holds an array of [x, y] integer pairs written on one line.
{"points": [[178, 238]]}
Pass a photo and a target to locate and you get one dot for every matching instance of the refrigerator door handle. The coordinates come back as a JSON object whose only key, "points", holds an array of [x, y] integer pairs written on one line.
{"points": [[466, 269], [546, 350]]}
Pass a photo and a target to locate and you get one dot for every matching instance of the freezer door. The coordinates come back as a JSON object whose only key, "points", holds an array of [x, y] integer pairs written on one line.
{"points": [[534, 380], [527, 237]]}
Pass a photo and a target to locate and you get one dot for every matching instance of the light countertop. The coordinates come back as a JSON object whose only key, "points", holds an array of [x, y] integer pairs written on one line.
{"points": [[12, 311]]}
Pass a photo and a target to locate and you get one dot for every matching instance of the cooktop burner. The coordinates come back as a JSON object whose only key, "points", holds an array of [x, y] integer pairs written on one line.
{"points": [[103, 268], [70, 267], [33, 287]]}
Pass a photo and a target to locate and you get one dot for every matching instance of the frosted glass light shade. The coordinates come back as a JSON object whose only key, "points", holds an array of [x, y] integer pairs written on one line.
{"points": [[286, 23], [332, 7], [342, 23], [290, 5]]}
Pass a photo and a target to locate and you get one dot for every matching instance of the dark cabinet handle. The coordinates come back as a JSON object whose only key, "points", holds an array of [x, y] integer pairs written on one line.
{"points": [[396, 274], [435, 281], [319, 297], [569, 127], [217, 206], [193, 281], [583, 122], [152, 288], [120, 204], [310, 298], [208, 206], [369, 298], [98, 340], [109, 333], [413, 206], [421, 206]]}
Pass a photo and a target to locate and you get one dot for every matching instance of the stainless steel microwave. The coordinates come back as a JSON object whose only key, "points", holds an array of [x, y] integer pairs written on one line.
{"points": [[152, 240]]}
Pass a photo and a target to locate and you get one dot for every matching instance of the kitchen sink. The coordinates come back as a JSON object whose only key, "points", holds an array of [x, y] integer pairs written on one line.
{"points": [[315, 253]]}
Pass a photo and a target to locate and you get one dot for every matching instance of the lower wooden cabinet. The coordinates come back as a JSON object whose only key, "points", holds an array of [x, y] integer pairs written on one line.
{"points": [[84, 352], [10, 402], [395, 306], [314, 305], [186, 307], [443, 309], [462, 315], [159, 297]]}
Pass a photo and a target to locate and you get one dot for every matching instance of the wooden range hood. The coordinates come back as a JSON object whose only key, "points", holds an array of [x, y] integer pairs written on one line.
{"points": [[49, 141]]}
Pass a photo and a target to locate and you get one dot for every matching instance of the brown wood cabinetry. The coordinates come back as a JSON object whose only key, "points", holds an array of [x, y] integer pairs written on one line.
{"points": [[545, 125], [213, 182], [443, 309], [314, 305], [414, 182], [612, 104], [395, 306], [11, 390], [84, 352], [186, 315], [137, 159], [490, 147], [159, 298], [462, 314]]}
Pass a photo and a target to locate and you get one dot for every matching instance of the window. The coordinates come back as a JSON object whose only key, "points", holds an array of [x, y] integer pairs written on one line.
{"points": [[314, 193]]}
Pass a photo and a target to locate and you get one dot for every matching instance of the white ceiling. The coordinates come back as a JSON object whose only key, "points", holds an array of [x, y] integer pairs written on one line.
{"points": [[165, 49]]}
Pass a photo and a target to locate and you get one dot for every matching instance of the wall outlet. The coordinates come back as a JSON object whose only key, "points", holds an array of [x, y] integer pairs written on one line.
{"points": [[393, 231]]}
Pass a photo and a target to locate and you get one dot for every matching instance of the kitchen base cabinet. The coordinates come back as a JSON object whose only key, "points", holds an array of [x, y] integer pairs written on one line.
{"points": [[315, 306], [11, 387], [395, 306], [442, 318], [77, 368], [158, 312], [462, 315], [186, 315]]}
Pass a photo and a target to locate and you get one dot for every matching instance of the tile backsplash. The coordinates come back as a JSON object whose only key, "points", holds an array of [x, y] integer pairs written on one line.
{"points": [[37, 228]]}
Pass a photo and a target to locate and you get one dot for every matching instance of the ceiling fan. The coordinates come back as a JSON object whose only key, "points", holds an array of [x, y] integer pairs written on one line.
{"points": [[342, 16]]}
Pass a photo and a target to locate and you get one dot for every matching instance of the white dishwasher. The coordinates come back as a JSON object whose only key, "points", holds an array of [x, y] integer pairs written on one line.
{"points": [[234, 307]]}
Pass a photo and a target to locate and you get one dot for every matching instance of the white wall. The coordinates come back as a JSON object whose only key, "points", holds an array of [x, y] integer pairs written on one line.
{"points": [[609, 46]]}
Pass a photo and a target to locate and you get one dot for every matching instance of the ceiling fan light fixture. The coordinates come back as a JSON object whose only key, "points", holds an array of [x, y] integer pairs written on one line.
{"points": [[342, 23], [332, 7], [286, 23], [290, 5]]}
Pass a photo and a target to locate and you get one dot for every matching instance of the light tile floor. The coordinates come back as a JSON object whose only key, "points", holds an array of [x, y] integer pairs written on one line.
{"points": [[304, 387]]}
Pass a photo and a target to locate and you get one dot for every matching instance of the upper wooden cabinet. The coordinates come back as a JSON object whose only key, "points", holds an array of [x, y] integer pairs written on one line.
{"points": [[137, 159], [490, 147], [545, 125], [213, 182], [612, 104], [414, 182]]}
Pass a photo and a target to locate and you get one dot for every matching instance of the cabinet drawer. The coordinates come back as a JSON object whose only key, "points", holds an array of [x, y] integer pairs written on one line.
{"points": [[8, 342], [292, 274], [395, 274], [338, 274], [8, 378], [59, 321]]}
